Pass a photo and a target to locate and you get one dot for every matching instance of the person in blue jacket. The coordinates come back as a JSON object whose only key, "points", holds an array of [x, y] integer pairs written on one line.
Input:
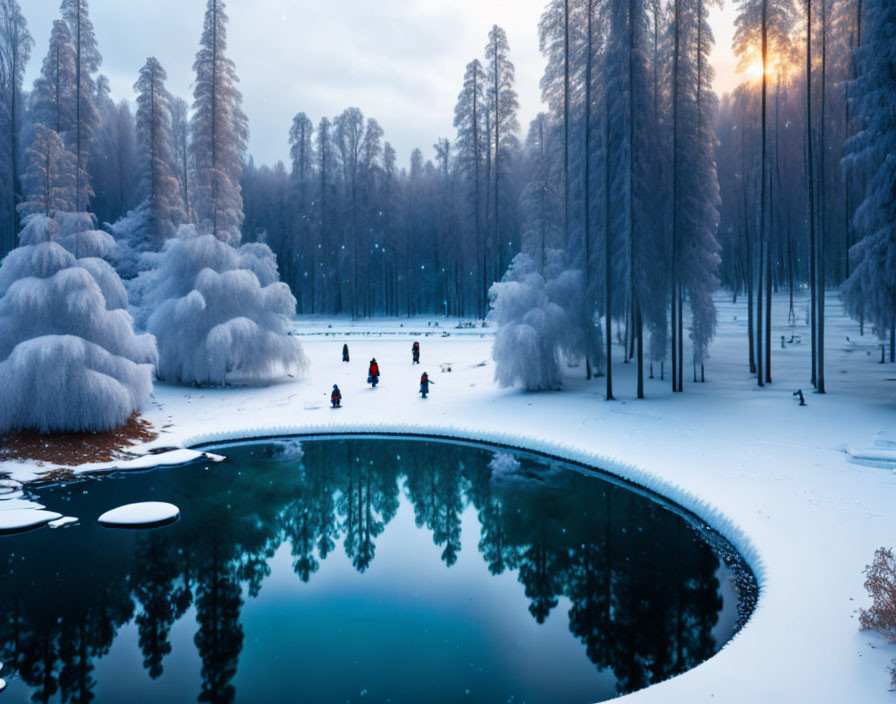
{"points": [[424, 384]]}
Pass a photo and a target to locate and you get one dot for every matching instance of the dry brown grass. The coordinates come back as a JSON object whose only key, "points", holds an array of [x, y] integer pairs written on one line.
{"points": [[74, 449], [880, 581]]}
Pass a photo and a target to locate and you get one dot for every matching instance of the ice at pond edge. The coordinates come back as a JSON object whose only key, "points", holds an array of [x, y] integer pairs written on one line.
{"points": [[503, 464], [146, 513]]}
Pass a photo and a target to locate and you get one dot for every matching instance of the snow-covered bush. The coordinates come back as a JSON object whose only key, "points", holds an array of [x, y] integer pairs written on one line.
{"points": [[70, 358], [56, 383], [219, 313], [880, 581], [539, 318], [580, 337]]}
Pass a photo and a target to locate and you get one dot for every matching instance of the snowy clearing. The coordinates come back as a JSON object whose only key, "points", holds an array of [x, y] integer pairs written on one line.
{"points": [[773, 477]]}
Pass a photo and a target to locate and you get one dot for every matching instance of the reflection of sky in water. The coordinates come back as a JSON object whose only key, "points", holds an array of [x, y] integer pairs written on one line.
{"points": [[406, 628]]}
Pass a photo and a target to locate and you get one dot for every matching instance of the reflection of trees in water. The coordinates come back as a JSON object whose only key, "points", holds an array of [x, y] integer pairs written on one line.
{"points": [[160, 589], [219, 639], [643, 595]]}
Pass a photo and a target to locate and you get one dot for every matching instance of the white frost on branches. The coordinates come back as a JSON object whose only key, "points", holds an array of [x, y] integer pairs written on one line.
{"points": [[539, 321], [70, 358], [219, 314]]}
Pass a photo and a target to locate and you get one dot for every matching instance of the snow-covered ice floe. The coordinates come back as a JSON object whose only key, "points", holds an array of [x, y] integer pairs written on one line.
{"points": [[15, 504], [62, 522], [147, 514], [24, 519]]}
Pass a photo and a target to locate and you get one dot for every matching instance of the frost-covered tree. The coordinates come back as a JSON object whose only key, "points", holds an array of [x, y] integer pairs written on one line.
{"points": [[539, 203], [50, 99], [870, 290], [219, 130], [180, 142], [349, 140], [49, 179], [541, 318], [471, 146], [698, 186], [164, 209], [83, 91], [70, 358], [298, 241], [113, 158], [503, 107], [219, 314], [15, 50]]}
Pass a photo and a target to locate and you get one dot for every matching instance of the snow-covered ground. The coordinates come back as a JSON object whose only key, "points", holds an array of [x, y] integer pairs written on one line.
{"points": [[807, 493]]}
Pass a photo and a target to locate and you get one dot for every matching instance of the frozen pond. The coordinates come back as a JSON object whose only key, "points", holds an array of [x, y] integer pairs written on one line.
{"points": [[364, 570]]}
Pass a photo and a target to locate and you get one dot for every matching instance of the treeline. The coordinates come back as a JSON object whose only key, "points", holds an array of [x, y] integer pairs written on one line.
{"points": [[635, 174], [355, 233]]}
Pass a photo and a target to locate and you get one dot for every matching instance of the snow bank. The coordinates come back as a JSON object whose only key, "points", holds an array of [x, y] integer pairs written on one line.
{"points": [[171, 458], [140, 515]]}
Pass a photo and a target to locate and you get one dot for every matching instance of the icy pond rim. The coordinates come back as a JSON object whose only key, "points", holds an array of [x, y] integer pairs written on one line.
{"points": [[705, 517]]}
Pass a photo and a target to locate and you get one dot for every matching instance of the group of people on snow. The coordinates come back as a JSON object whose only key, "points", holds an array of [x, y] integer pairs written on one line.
{"points": [[373, 375]]}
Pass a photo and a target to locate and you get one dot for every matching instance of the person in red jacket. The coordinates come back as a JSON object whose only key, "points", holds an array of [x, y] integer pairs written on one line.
{"points": [[373, 373], [336, 397]]}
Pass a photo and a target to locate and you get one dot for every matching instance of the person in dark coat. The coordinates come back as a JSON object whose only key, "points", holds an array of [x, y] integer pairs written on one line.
{"points": [[345, 352], [336, 397], [424, 384], [415, 352], [373, 373]]}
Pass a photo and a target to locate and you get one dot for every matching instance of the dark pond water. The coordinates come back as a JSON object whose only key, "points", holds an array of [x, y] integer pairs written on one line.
{"points": [[368, 570]]}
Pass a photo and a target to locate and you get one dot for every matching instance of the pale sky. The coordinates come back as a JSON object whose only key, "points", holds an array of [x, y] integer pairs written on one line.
{"points": [[400, 61]]}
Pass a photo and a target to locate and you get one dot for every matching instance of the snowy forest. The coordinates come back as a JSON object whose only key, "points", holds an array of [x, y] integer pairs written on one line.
{"points": [[613, 217]]}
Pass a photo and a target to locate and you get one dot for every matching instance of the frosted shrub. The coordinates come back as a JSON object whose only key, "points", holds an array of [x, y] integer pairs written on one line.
{"points": [[57, 383], [219, 313], [880, 582], [69, 358], [539, 320]]}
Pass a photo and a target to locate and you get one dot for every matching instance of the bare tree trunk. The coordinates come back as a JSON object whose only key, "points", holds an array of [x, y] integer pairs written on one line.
{"points": [[608, 252], [810, 181], [566, 123], [675, 62], [822, 207], [587, 234], [764, 257]]}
